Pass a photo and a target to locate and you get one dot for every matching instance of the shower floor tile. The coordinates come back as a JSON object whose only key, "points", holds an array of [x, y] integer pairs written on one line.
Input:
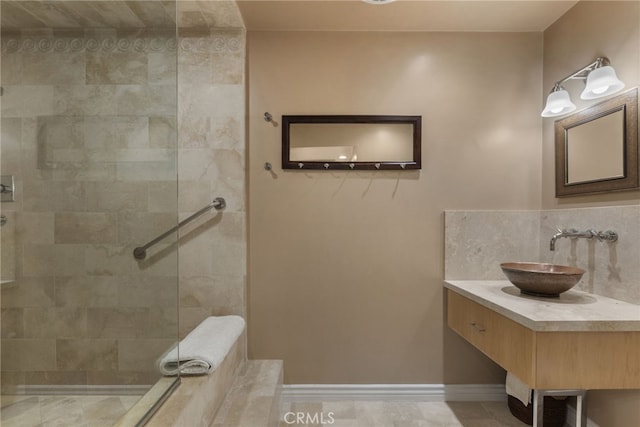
{"points": [[59, 410]]}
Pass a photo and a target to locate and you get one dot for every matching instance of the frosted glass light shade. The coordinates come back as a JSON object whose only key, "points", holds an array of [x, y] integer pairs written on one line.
{"points": [[558, 103], [601, 82]]}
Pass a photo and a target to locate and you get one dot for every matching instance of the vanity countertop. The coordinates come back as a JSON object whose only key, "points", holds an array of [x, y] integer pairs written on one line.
{"points": [[572, 311]]}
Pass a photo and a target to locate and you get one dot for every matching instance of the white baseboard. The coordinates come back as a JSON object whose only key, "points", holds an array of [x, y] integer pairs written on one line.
{"points": [[423, 392]]}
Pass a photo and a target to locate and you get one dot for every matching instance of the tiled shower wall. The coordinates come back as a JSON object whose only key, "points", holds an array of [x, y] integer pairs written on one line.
{"points": [[211, 163], [89, 131], [476, 242]]}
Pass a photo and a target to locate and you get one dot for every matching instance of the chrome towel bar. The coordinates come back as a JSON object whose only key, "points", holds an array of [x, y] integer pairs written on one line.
{"points": [[141, 251]]}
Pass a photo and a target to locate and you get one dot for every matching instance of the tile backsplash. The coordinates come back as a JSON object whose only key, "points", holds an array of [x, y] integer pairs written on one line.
{"points": [[476, 242]]}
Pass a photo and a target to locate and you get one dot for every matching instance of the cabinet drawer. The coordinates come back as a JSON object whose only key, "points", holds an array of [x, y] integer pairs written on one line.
{"points": [[506, 342]]}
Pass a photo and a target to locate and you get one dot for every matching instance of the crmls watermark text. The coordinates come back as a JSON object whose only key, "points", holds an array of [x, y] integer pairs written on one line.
{"points": [[309, 418]]}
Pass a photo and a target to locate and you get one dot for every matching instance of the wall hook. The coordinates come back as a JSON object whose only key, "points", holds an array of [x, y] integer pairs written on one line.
{"points": [[267, 166], [269, 119]]}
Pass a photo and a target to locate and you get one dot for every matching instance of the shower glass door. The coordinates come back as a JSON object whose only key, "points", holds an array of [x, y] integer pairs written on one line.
{"points": [[88, 154]]}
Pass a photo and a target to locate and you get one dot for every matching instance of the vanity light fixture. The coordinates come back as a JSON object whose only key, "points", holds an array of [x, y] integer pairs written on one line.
{"points": [[601, 80]]}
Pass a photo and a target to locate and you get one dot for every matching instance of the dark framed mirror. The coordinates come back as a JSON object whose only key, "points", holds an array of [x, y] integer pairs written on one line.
{"points": [[596, 149], [351, 142]]}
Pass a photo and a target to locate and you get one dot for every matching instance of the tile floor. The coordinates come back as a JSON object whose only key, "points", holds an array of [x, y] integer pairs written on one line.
{"points": [[104, 411], [398, 414], [63, 411]]}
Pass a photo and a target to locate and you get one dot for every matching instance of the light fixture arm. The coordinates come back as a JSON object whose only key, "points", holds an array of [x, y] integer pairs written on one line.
{"points": [[582, 72]]}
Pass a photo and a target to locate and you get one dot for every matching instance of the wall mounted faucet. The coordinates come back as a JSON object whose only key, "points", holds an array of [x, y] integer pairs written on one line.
{"points": [[609, 236]]}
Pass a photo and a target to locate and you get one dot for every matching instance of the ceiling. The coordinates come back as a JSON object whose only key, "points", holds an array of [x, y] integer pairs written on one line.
{"points": [[120, 14], [402, 15], [268, 15]]}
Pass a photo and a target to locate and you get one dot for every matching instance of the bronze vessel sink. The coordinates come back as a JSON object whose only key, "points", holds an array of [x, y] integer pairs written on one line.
{"points": [[540, 279]]}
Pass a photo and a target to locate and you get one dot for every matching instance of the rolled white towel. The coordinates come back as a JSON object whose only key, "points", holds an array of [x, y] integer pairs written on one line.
{"points": [[518, 389], [204, 348]]}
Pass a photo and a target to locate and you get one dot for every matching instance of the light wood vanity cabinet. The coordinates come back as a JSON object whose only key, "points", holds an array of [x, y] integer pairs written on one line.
{"points": [[504, 341], [549, 360]]}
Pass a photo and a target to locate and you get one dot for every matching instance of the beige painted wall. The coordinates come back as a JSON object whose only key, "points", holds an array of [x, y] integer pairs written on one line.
{"points": [[346, 268], [588, 30]]}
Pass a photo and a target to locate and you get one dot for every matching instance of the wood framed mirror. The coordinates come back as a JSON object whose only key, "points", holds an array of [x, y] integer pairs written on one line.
{"points": [[351, 142], [596, 149]]}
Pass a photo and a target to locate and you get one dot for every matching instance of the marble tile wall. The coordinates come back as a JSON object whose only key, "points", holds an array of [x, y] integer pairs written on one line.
{"points": [[211, 159], [612, 269], [89, 129], [476, 242], [7, 248]]}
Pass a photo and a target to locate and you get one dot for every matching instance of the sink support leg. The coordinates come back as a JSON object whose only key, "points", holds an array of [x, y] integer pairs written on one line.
{"points": [[581, 409], [581, 405], [538, 407]]}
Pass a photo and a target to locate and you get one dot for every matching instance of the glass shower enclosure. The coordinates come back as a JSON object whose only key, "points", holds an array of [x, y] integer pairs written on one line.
{"points": [[88, 163]]}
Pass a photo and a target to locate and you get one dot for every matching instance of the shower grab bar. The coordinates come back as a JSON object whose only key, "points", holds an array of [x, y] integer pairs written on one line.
{"points": [[141, 251]]}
